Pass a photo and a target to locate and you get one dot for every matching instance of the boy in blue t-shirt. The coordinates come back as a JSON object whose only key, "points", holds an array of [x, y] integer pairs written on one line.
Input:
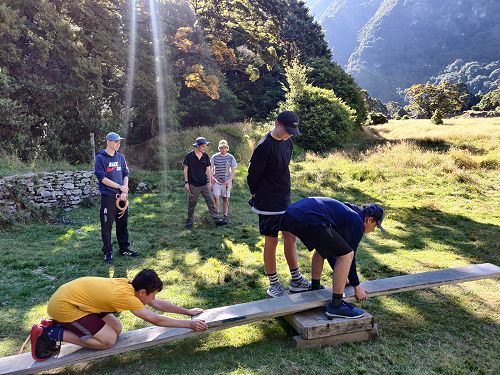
{"points": [[112, 172]]}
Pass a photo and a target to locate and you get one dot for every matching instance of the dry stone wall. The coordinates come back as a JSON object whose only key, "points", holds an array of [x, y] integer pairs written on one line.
{"points": [[66, 189]]}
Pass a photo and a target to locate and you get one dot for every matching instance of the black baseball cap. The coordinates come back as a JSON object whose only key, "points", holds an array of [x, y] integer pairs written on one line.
{"points": [[377, 213], [290, 121]]}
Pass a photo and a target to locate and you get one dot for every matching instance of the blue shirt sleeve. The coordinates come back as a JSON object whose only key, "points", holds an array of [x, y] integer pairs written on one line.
{"points": [[125, 170], [99, 168]]}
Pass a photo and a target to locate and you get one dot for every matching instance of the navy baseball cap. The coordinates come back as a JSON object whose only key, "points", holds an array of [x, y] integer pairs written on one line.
{"points": [[377, 213], [113, 137], [290, 121], [200, 141]]}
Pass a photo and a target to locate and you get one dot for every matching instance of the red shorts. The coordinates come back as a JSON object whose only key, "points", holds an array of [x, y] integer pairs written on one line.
{"points": [[87, 326]]}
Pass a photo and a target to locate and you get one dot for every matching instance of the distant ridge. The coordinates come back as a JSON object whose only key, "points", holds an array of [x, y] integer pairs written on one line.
{"points": [[391, 44]]}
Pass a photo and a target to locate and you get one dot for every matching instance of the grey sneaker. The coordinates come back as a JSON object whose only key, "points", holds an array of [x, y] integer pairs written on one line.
{"points": [[276, 290], [301, 285]]}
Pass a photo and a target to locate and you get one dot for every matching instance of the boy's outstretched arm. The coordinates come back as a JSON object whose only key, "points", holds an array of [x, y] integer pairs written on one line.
{"points": [[165, 321]]}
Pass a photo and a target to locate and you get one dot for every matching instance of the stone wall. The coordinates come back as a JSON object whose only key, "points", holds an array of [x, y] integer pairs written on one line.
{"points": [[65, 189]]}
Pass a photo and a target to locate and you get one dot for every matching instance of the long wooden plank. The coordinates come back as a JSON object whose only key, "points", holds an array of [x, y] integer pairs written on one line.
{"points": [[244, 313]]}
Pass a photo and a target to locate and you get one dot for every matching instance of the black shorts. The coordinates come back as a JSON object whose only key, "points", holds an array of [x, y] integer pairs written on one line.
{"points": [[325, 240], [270, 225]]}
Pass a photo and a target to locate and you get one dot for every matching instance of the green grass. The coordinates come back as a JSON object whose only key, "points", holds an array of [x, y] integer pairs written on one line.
{"points": [[442, 211], [11, 164]]}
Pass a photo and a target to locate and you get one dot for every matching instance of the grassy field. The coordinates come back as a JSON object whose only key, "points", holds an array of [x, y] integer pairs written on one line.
{"points": [[439, 185]]}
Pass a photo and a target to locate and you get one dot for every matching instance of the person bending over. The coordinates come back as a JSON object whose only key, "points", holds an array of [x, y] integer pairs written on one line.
{"points": [[334, 229]]}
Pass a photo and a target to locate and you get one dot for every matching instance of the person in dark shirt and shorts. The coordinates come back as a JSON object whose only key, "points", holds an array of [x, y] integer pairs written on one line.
{"points": [[112, 172], [334, 229], [269, 182], [197, 180]]}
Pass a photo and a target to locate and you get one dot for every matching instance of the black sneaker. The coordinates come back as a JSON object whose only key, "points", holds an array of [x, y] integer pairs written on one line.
{"points": [[188, 225], [129, 253], [108, 258], [220, 222]]}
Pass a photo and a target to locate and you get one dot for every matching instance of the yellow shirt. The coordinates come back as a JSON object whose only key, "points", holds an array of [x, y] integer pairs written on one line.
{"points": [[88, 295]]}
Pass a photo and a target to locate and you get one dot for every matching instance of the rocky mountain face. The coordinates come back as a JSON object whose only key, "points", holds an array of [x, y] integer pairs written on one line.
{"points": [[388, 45]]}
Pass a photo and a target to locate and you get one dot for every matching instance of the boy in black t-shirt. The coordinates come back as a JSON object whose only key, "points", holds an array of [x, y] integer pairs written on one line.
{"points": [[196, 181]]}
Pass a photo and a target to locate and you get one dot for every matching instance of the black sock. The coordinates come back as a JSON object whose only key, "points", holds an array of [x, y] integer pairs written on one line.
{"points": [[336, 299], [315, 284]]}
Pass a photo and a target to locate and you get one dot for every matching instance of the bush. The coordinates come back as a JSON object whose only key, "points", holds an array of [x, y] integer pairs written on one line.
{"points": [[405, 117], [329, 75], [325, 120], [377, 118], [437, 117], [489, 101]]}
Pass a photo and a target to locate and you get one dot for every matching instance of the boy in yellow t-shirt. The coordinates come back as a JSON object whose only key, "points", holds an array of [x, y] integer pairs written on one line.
{"points": [[82, 312]]}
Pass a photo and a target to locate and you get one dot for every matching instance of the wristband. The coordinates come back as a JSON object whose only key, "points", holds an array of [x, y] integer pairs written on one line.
{"points": [[186, 182]]}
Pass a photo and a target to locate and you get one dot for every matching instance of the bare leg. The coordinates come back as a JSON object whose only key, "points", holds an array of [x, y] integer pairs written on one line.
{"points": [[316, 266], [216, 201], [226, 205], [103, 339], [342, 266], [270, 244], [114, 323], [290, 242]]}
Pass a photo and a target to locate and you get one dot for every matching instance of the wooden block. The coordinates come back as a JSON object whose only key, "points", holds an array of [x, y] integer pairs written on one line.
{"points": [[313, 324], [244, 313], [366, 335]]}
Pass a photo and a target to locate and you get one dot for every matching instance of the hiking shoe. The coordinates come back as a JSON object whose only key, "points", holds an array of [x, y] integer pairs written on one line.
{"points": [[344, 310], [129, 253], [300, 285], [43, 347], [108, 258], [188, 225], [276, 290], [220, 222]]}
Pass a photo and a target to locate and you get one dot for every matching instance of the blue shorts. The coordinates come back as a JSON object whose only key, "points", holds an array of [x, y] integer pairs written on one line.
{"points": [[325, 240]]}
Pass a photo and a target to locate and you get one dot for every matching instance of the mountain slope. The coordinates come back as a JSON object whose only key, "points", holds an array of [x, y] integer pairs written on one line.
{"points": [[402, 42]]}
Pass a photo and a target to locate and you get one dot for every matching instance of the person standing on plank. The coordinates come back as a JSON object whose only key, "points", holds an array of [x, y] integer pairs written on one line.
{"points": [[197, 180], [334, 229], [223, 166], [269, 182], [82, 312], [112, 172]]}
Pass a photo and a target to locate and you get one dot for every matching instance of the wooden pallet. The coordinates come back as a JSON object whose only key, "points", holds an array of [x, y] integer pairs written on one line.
{"points": [[315, 329], [235, 315]]}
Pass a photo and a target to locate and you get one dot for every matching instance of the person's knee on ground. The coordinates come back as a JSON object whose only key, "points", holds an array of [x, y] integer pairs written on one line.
{"points": [[106, 337]]}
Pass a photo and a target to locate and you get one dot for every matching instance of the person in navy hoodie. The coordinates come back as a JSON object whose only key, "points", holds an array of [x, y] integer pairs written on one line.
{"points": [[334, 229], [112, 172]]}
